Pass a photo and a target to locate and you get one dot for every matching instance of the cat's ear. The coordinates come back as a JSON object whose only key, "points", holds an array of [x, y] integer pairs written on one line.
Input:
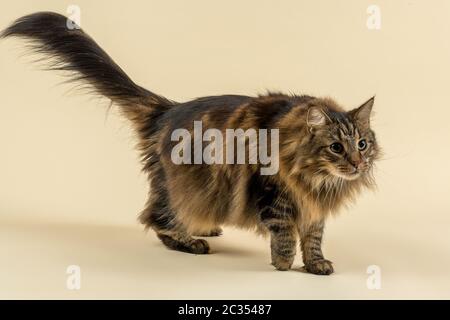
{"points": [[316, 117], [362, 114]]}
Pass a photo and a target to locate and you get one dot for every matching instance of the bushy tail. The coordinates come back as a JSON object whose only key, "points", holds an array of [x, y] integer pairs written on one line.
{"points": [[70, 49]]}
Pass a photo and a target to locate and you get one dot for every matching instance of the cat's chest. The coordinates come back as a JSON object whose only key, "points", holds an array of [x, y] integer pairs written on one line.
{"points": [[316, 203]]}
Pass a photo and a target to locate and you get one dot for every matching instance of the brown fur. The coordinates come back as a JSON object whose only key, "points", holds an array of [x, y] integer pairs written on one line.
{"points": [[196, 199]]}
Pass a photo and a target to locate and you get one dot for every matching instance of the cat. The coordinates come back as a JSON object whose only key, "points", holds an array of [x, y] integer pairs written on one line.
{"points": [[326, 154]]}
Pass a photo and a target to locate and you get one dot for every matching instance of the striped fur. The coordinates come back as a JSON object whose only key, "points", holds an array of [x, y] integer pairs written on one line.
{"points": [[187, 200]]}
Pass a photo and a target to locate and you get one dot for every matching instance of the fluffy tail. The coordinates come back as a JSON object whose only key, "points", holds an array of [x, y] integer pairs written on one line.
{"points": [[74, 51]]}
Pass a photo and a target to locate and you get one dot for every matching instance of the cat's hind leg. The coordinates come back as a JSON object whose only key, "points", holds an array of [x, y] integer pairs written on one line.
{"points": [[159, 216], [173, 234], [185, 243]]}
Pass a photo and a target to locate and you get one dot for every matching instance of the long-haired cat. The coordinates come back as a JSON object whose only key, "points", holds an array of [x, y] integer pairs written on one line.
{"points": [[325, 158]]}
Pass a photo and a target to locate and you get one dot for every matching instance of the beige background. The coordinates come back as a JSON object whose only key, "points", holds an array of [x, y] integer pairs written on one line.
{"points": [[71, 185]]}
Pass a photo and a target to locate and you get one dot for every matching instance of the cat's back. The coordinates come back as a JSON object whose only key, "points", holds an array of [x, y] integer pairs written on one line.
{"points": [[187, 112]]}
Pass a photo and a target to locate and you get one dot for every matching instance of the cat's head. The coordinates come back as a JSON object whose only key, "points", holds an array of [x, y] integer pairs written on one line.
{"points": [[342, 142]]}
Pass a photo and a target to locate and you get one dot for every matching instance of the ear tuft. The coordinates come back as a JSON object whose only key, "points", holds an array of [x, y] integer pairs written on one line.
{"points": [[316, 117], [363, 112]]}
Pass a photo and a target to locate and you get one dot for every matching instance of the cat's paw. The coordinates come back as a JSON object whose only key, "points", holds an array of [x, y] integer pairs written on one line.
{"points": [[282, 263], [320, 267], [199, 246]]}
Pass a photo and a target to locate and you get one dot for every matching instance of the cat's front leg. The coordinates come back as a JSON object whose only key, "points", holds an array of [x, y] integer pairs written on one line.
{"points": [[311, 246], [283, 236]]}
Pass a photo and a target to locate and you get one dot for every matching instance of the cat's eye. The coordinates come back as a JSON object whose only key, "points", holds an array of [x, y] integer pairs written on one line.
{"points": [[362, 145], [337, 147]]}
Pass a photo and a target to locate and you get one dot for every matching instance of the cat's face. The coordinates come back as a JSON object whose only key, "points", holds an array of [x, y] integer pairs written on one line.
{"points": [[343, 142]]}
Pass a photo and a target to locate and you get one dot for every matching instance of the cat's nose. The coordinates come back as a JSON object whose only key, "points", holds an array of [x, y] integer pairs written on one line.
{"points": [[356, 161]]}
